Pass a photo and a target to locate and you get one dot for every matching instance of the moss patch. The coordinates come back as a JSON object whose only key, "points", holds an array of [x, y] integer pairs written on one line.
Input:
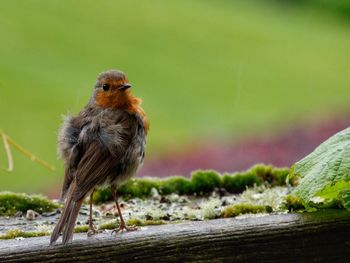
{"points": [[109, 225], [293, 203], [131, 222], [11, 203], [102, 195], [235, 210], [15, 233], [238, 182], [201, 183], [133, 188], [139, 222], [204, 182], [81, 229], [176, 184], [138, 187], [270, 174]]}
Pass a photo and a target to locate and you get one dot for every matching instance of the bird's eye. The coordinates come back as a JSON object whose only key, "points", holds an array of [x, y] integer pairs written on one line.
{"points": [[105, 87]]}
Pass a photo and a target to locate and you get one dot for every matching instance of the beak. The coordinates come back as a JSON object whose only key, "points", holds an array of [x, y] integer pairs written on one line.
{"points": [[125, 86]]}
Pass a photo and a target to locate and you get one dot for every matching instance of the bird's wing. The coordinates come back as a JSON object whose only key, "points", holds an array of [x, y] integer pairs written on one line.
{"points": [[103, 149], [93, 169], [69, 148]]}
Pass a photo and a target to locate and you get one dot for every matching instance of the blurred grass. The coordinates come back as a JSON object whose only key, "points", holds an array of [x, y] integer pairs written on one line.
{"points": [[204, 69]]}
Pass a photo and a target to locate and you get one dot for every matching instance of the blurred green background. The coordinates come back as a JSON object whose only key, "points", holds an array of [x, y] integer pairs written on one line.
{"points": [[205, 69]]}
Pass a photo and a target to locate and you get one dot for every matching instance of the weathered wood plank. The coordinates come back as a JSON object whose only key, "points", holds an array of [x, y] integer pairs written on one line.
{"points": [[309, 237]]}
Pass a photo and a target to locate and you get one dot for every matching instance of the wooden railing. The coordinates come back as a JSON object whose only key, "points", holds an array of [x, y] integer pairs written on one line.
{"points": [[309, 237]]}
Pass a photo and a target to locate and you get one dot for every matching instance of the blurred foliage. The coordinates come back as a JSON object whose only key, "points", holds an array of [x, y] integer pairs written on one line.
{"points": [[339, 6], [201, 183], [240, 66]]}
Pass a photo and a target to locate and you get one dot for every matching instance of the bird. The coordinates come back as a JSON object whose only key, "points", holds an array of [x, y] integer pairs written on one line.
{"points": [[103, 145]]}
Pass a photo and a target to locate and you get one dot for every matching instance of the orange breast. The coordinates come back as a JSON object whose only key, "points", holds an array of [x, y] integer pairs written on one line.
{"points": [[144, 118], [123, 101], [135, 107]]}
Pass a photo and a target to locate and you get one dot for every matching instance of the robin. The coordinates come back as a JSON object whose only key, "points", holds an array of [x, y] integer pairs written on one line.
{"points": [[103, 145]]}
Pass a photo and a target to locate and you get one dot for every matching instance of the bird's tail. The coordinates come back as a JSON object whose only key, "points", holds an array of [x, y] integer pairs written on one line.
{"points": [[67, 220]]}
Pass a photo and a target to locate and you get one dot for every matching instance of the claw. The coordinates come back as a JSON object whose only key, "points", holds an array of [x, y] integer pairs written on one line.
{"points": [[123, 228], [92, 232]]}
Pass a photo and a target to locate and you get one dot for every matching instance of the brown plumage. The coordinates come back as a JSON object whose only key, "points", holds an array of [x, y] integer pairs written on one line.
{"points": [[103, 145]]}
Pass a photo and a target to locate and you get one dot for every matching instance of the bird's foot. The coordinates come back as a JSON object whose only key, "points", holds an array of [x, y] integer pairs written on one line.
{"points": [[123, 228], [92, 231]]}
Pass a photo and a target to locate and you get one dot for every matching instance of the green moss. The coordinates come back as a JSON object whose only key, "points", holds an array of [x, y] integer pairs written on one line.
{"points": [[138, 187], [293, 203], [268, 173], [201, 183], [134, 222], [102, 196], [175, 184], [138, 222], [244, 208], [109, 225], [280, 176], [133, 188], [204, 182], [11, 203], [293, 178], [131, 222], [14, 233], [153, 222], [262, 171], [238, 182], [81, 229]]}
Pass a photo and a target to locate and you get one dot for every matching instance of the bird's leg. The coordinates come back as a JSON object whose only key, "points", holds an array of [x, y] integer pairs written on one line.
{"points": [[122, 225], [92, 231]]}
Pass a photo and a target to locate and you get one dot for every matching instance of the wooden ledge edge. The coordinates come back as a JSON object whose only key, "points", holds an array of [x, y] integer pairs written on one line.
{"points": [[320, 236]]}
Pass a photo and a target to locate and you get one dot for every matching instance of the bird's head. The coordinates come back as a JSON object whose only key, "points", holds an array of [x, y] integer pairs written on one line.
{"points": [[112, 90]]}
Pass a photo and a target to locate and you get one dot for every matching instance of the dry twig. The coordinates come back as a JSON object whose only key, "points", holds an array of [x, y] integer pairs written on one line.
{"points": [[8, 151], [7, 141]]}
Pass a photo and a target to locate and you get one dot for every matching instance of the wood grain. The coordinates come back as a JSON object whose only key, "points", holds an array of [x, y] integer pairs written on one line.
{"points": [[309, 237]]}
